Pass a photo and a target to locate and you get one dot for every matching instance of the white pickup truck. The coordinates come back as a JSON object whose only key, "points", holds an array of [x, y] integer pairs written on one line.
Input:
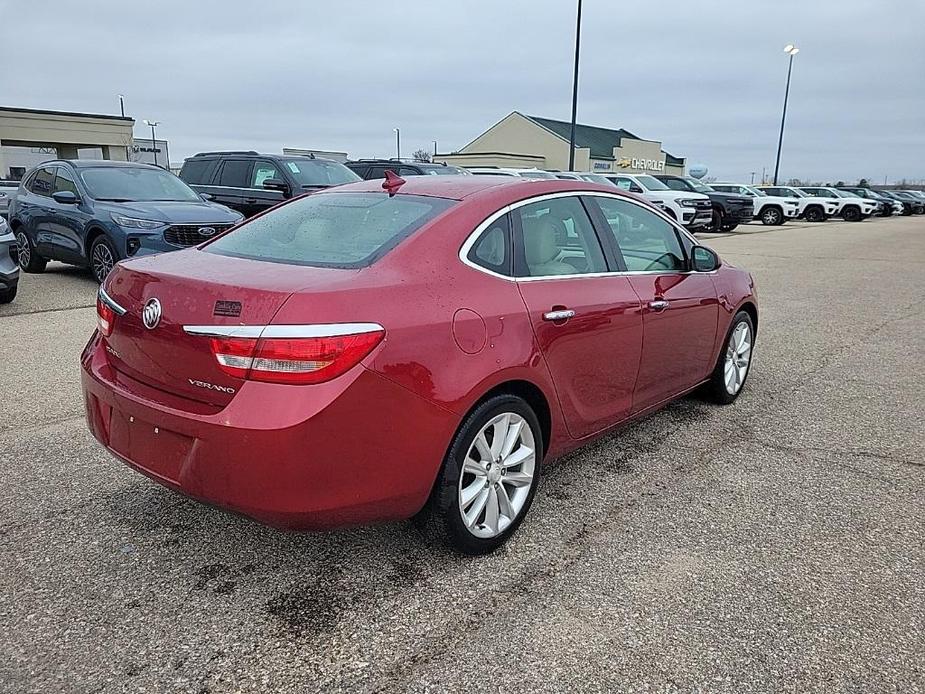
{"points": [[851, 207], [809, 208], [770, 209], [693, 210]]}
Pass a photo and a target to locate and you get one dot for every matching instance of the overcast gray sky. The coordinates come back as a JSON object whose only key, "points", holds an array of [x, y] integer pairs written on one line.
{"points": [[706, 78]]}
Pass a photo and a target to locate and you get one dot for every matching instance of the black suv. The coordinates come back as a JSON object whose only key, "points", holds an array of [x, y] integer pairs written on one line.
{"points": [[729, 209], [250, 182], [375, 168]]}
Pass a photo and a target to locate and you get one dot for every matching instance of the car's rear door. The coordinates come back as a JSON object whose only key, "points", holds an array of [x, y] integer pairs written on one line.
{"points": [[67, 222], [40, 207], [231, 183], [680, 308], [585, 314]]}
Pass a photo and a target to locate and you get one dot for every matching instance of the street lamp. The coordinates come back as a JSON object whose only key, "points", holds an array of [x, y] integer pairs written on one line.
{"points": [[153, 124], [122, 104], [397, 143], [790, 50], [571, 142]]}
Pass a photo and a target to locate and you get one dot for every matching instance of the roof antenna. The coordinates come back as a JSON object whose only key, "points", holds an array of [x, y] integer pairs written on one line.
{"points": [[392, 182]]}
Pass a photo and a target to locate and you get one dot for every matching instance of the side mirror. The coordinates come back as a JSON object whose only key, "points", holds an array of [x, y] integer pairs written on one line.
{"points": [[65, 197], [276, 184], [208, 197], [703, 259]]}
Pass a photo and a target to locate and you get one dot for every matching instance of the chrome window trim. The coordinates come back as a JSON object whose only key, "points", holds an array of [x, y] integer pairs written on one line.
{"points": [[283, 331], [474, 236], [110, 302]]}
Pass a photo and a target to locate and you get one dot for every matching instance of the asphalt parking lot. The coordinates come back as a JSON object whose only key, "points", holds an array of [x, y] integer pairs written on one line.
{"points": [[774, 545]]}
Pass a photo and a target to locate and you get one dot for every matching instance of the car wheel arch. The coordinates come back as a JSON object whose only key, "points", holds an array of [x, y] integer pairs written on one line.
{"points": [[528, 391], [752, 310], [92, 234]]}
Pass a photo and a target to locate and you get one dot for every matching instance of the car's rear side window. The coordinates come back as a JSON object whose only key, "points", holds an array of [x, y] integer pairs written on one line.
{"points": [[346, 230], [197, 171]]}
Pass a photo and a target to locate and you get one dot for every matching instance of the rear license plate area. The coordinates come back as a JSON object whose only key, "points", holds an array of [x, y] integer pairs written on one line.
{"points": [[146, 445]]}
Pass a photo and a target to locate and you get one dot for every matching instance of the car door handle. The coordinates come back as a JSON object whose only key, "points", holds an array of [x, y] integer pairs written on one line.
{"points": [[658, 305], [559, 315]]}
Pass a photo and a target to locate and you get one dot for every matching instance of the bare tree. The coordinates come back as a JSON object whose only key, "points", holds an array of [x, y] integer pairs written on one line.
{"points": [[421, 155]]}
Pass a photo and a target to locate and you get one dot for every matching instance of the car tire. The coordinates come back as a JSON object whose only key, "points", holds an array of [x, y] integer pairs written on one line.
{"points": [[28, 258], [102, 258], [851, 214], [772, 216], [730, 373], [815, 214], [716, 225], [459, 490], [7, 295]]}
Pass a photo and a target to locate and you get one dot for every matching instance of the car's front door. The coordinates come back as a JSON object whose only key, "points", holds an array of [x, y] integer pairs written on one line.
{"points": [[260, 198], [680, 308], [67, 222], [586, 317]]}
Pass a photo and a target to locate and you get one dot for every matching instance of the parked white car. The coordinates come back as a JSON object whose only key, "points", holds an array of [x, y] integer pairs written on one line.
{"points": [[693, 210], [851, 208], [810, 208], [771, 210], [503, 171]]}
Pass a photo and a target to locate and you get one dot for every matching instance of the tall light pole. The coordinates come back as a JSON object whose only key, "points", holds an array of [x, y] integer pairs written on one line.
{"points": [[397, 143], [153, 124], [122, 104], [571, 142], [790, 50], [435, 148]]}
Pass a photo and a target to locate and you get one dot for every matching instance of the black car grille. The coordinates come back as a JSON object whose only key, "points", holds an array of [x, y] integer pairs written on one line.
{"points": [[192, 234]]}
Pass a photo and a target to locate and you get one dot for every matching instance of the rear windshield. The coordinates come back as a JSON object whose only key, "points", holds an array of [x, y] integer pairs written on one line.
{"points": [[345, 230]]}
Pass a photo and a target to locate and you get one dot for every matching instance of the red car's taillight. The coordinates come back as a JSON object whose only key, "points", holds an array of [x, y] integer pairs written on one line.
{"points": [[106, 317], [298, 360]]}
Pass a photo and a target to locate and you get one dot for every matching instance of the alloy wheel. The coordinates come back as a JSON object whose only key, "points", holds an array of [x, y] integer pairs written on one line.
{"points": [[102, 262], [23, 251], [771, 217], [497, 475], [738, 357]]}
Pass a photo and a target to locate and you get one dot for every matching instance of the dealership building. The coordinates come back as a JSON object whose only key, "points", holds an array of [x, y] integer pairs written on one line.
{"points": [[521, 141]]}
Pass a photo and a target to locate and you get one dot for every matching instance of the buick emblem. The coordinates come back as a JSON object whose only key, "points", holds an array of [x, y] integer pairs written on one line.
{"points": [[151, 314], [207, 231]]}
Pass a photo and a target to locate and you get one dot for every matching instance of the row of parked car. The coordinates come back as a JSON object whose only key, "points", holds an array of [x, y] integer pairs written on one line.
{"points": [[95, 213]]}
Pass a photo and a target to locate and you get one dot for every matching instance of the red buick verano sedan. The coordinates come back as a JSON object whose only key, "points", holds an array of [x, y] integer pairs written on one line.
{"points": [[387, 350]]}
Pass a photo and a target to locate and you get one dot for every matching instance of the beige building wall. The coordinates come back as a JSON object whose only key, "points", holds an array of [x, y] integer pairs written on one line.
{"points": [[66, 132], [502, 159], [515, 133]]}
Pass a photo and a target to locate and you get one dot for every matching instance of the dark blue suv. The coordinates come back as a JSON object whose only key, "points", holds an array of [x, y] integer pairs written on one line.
{"points": [[95, 213]]}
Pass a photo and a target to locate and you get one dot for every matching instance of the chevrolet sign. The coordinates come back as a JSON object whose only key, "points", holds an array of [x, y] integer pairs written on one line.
{"points": [[643, 164]]}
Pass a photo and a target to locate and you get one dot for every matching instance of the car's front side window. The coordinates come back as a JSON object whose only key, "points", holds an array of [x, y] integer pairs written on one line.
{"points": [[64, 182], [558, 239], [263, 171], [647, 242]]}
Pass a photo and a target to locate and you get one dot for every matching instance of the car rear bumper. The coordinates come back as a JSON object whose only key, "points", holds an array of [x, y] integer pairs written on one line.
{"points": [[355, 450]]}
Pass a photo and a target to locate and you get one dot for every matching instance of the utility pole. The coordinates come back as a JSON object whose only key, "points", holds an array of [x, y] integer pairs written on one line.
{"points": [[790, 50], [571, 145]]}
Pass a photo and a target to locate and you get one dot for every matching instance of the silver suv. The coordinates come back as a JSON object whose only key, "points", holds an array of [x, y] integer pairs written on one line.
{"points": [[9, 268], [7, 190]]}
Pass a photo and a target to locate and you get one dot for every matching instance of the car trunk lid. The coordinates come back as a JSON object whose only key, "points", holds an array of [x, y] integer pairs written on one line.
{"points": [[195, 290]]}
